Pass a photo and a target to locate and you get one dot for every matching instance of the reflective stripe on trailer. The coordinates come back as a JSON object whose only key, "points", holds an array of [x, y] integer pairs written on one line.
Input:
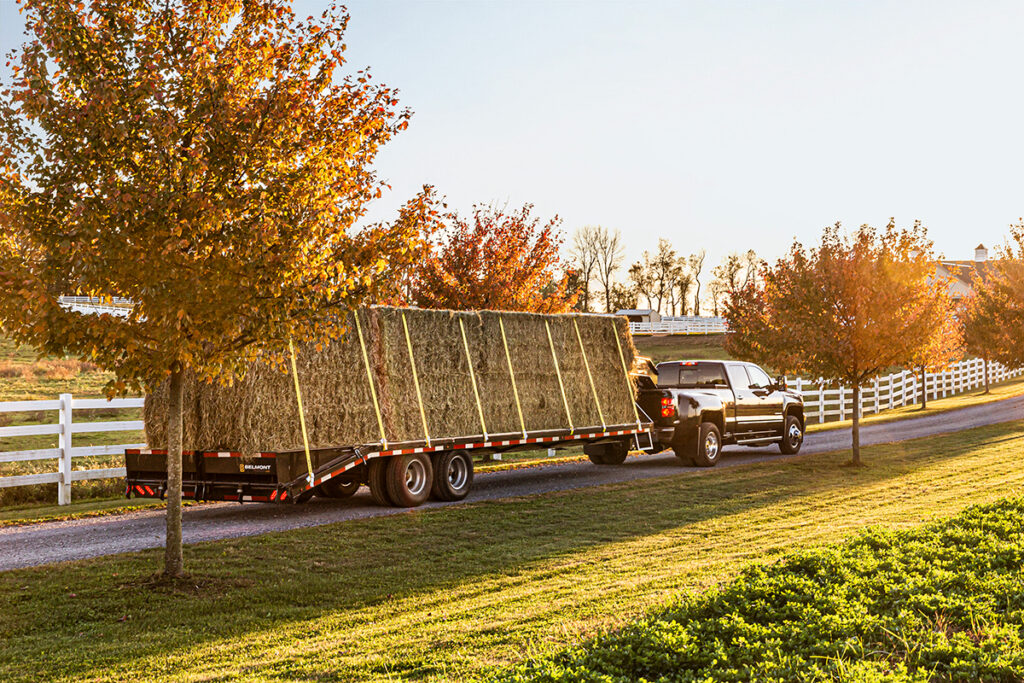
{"points": [[483, 444]]}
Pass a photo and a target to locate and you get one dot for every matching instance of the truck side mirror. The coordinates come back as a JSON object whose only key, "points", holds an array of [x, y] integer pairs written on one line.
{"points": [[780, 382]]}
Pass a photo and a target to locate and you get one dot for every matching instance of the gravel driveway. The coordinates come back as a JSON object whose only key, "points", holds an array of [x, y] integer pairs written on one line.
{"points": [[49, 542]]}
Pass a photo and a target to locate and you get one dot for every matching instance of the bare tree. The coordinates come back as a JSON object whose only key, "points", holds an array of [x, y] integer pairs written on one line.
{"points": [[696, 266], [683, 285], [751, 264], [641, 278], [609, 259], [584, 257]]}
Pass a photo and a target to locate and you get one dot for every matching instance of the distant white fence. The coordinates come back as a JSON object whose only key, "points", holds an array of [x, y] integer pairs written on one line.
{"points": [[822, 402], [118, 306], [681, 325], [65, 428]]}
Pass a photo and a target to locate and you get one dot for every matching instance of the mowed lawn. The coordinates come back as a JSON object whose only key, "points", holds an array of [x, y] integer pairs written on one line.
{"points": [[451, 593]]}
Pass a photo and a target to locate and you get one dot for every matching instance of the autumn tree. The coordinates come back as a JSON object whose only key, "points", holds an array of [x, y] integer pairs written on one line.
{"points": [[996, 318], [845, 310], [498, 259], [943, 347], [610, 253], [981, 328], [681, 289], [203, 160], [641, 279]]}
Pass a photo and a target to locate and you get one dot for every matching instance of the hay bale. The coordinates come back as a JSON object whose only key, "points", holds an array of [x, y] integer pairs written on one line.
{"points": [[259, 412]]}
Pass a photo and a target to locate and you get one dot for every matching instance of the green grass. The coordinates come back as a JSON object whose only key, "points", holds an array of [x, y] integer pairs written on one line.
{"points": [[452, 593], [944, 601], [667, 347]]}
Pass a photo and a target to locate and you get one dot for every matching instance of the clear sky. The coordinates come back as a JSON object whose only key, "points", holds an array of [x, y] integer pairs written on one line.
{"points": [[722, 125]]}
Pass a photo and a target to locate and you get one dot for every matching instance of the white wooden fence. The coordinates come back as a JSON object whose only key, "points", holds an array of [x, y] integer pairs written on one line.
{"points": [[65, 428], [823, 403], [681, 325]]}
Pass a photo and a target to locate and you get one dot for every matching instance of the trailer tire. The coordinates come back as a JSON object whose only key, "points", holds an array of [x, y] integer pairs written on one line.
{"points": [[612, 453], [377, 481], [453, 475], [409, 478], [338, 488]]}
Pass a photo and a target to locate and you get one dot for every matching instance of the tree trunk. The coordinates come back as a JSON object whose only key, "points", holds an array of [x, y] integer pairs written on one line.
{"points": [[924, 389], [173, 562], [696, 300], [985, 361], [855, 460]]}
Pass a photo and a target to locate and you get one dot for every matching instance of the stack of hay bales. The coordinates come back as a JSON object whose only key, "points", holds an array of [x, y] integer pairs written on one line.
{"points": [[259, 412]]}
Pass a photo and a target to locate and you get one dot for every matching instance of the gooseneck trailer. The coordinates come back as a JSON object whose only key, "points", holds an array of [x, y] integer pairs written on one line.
{"points": [[375, 399]]}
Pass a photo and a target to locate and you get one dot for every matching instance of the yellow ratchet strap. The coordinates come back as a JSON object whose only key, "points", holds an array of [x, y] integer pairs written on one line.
{"points": [[369, 378], [472, 379], [415, 379], [586, 364], [558, 373], [302, 415], [512, 374], [625, 373]]}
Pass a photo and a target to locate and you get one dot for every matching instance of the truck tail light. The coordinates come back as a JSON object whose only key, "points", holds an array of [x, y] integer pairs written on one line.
{"points": [[668, 408]]}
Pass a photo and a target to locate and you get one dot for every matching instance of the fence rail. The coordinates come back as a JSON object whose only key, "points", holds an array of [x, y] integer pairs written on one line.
{"points": [[65, 453], [681, 325]]}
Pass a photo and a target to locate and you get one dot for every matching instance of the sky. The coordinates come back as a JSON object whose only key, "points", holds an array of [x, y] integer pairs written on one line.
{"points": [[719, 125]]}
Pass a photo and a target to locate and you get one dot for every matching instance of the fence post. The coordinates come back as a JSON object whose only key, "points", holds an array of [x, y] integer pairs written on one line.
{"points": [[876, 395], [821, 401], [64, 444], [842, 403]]}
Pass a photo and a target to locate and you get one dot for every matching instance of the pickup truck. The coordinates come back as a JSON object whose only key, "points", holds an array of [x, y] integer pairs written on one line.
{"points": [[699, 406]]}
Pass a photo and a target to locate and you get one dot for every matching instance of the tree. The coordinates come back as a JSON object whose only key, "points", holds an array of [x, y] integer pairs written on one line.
{"points": [[499, 259], [844, 311], [980, 327], [623, 297], [584, 255], [641, 277], [609, 259], [665, 272], [696, 266], [943, 347], [683, 284], [201, 160], [997, 316]]}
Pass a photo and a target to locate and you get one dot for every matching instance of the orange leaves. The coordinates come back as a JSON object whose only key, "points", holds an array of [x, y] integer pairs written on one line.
{"points": [[851, 308], [501, 260]]}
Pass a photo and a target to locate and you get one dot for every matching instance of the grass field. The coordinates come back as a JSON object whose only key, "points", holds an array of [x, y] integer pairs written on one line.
{"points": [[939, 602], [662, 348], [452, 593]]}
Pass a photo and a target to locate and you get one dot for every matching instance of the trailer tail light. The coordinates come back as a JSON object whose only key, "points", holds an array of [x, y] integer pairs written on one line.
{"points": [[668, 408]]}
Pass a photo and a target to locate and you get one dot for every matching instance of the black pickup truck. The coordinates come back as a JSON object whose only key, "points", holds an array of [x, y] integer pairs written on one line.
{"points": [[698, 406]]}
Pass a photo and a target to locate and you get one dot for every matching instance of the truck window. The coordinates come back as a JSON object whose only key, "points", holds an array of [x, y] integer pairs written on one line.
{"points": [[697, 374], [738, 377], [758, 377]]}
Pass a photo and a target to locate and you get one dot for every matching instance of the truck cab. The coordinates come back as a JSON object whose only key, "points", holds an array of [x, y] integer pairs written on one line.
{"points": [[699, 406]]}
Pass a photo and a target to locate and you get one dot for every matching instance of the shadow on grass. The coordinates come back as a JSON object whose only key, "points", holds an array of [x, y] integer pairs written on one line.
{"points": [[261, 584]]}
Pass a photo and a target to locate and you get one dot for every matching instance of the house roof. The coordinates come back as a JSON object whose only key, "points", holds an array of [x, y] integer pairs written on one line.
{"points": [[966, 271], [634, 311]]}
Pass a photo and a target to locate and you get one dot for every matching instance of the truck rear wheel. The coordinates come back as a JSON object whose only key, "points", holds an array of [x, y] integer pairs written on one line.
{"points": [[377, 480], [709, 446], [453, 475], [409, 478]]}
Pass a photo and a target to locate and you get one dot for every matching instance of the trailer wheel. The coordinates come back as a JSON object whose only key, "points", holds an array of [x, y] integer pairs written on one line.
{"points": [[613, 453], [377, 480], [409, 478], [338, 488], [453, 475]]}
